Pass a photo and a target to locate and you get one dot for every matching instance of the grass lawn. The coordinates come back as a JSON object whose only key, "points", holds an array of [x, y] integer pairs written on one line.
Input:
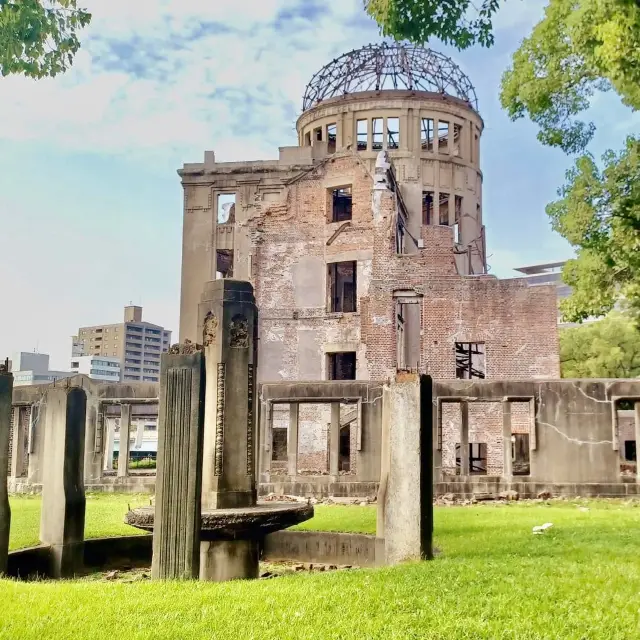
{"points": [[494, 579]]}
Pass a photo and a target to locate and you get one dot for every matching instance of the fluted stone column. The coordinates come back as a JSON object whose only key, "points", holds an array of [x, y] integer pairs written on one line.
{"points": [[6, 389], [63, 499], [228, 318]]}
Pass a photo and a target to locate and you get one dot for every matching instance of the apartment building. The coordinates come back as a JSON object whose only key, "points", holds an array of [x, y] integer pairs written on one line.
{"points": [[103, 368], [136, 345]]}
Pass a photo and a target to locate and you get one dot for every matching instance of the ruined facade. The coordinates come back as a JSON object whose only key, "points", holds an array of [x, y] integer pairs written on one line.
{"points": [[366, 246]]}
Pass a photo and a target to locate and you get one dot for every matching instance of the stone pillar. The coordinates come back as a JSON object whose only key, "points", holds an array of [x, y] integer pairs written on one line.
{"points": [[266, 436], [125, 435], [177, 518], [228, 317], [292, 439], [6, 390], [19, 443], [636, 406], [109, 430], [63, 499], [139, 434], [408, 508], [334, 442], [464, 438], [507, 471]]}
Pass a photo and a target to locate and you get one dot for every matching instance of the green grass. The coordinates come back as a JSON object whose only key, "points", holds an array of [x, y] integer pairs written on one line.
{"points": [[494, 579], [354, 519]]}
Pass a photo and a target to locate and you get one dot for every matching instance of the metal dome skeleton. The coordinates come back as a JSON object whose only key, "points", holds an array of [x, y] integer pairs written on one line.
{"points": [[379, 67]]}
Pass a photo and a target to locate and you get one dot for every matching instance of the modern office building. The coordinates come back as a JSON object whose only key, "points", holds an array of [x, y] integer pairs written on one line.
{"points": [[33, 368], [97, 367], [136, 345]]}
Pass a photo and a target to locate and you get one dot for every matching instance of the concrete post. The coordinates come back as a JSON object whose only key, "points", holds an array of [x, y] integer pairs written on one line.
{"points": [[109, 443], [334, 442], [229, 320], [177, 519], [125, 435], [19, 442], [63, 499], [292, 439], [507, 470], [636, 406], [139, 434], [266, 435], [464, 438], [6, 390]]}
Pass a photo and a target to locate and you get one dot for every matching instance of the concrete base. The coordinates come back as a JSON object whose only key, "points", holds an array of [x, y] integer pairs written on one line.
{"points": [[222, 560]]}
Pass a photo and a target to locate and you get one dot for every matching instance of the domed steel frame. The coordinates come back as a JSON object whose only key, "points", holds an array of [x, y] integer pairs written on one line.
{"points": [[378, 67]]}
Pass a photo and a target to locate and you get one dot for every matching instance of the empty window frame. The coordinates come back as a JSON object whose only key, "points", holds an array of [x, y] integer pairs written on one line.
{"points": [[457, 218], [332, 137], [307, 139], [470, 360], [443, 208], [630, 451], [426, 134], [477, 458], [443, 136], [344, 454], [341, 204], [226, 208], [393, 133], [377, 133], [224, 263], [457, 136], [317, 134], [342, 285], [279, 445], [341, 366], [520, 454], [362, 134], [427, 207]]}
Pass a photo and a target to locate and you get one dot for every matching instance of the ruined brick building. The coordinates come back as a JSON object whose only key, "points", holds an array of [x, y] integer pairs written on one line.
{"points": [[366, 246]]}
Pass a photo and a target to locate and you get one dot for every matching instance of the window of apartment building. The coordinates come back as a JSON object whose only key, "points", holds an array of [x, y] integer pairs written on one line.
{"points": [[224, 262], [443, 208], [427, 207], [149, 379], [362, 134], [477, 458], [443, 136], [342, 284], [630, 451], [75, 365], [426, 134], [393, 133], [340, 201], [520, 454], [341, 366], [377, 134], [226, 208], [470, 360], [332, 137]]}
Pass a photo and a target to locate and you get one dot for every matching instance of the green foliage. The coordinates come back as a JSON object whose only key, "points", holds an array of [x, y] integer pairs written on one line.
{"points": [[38, 38], [578, 48], [599, 214], [608, 348], [448, 20]]}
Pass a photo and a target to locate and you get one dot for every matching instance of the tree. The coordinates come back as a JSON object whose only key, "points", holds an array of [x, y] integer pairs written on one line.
{"points": [[608, 348], [456, 22], [39, 39]]}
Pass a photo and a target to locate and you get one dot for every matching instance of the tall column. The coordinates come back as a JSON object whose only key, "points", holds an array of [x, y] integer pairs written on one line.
{"points": [[464, 438], [334, 442], [19, 442], [109, 430], [636, 406], [228, 317], [506, 441], [139, 433], [177, 519], [292, 439], [6, 390], [125, 435], [63, 499]]}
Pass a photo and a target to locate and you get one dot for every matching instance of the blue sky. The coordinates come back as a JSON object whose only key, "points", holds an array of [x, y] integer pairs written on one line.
{"points": [[90, 203]]}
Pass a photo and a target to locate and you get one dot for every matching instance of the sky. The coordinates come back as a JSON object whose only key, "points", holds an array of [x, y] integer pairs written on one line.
{"points": [[90, 202]]}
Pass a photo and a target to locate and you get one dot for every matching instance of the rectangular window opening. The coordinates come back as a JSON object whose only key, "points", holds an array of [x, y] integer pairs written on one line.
{"points": [[341, 204], [342, 366], [344, 454], [630, 451], [317, 134], [342, 282], [393, 133], [377, 134], [226, 208], [426, 134], [520, 454], [427, 207], [470, 360], [457, 135], [443, 136], [279, 445], [477, 458], [362, 134], [443, 209], [307, 139], [224, 263], [332, 137]]}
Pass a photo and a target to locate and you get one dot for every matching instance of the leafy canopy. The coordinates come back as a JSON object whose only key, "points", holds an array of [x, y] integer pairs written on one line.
{"points": [[609, 348], [456, 22], [38, 38]]}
